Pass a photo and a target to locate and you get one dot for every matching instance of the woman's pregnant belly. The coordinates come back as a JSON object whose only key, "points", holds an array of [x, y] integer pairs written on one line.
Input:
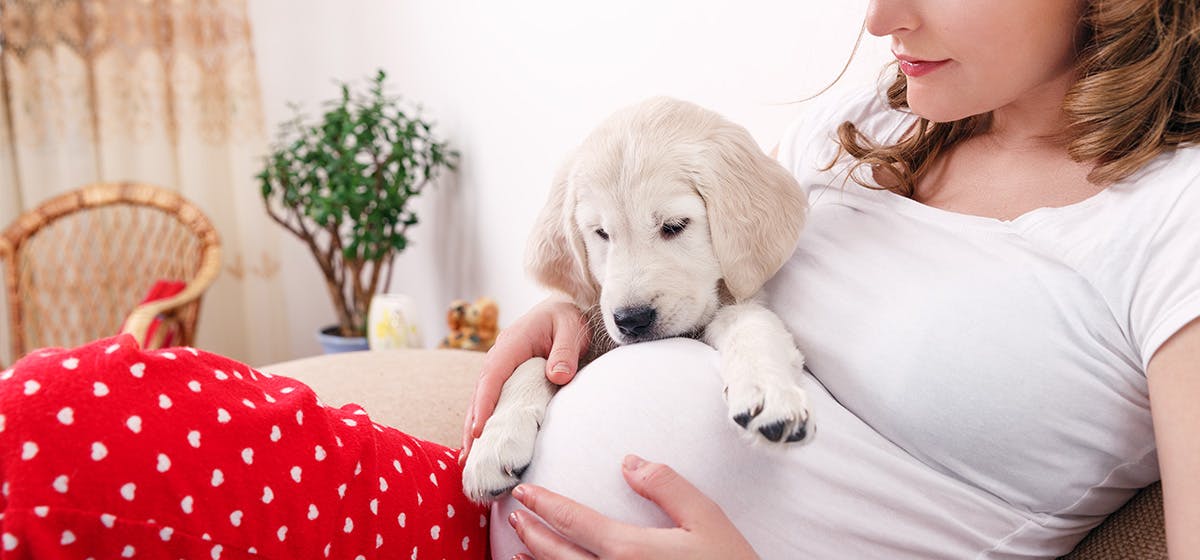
{"points": [[846, 492]]}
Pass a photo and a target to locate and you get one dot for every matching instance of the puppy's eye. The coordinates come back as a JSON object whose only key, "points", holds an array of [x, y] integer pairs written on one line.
{"points": [[674, 227], [602, 234]]}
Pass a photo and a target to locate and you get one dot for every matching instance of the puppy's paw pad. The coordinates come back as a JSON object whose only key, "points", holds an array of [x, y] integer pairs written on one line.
{"points": [[778, 414], [800, 433], [787, 431], [773, 432]]}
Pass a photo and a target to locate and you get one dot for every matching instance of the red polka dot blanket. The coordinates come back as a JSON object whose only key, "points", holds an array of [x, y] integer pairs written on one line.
{"points": [[109, 451]]}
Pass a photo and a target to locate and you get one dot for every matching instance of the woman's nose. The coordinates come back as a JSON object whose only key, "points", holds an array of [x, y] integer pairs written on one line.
{"points": [[889, 17]]}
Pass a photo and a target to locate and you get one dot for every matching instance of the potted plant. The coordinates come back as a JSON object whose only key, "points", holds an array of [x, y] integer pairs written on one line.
{"points": [[343, 185]]}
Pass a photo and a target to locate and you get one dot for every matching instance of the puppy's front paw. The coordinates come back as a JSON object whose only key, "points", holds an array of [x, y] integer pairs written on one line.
{"points": [[500, 456], [773, 409]]}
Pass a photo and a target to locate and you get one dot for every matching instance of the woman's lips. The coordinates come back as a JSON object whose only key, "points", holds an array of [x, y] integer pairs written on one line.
{"points": [[915, 68]]}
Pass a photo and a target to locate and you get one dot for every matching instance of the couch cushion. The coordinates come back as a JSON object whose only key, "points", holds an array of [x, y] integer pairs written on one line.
{"points": [[421, 392]]}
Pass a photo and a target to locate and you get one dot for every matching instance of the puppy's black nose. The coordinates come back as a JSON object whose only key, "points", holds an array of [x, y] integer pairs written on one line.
{"points": [[635, 321]]}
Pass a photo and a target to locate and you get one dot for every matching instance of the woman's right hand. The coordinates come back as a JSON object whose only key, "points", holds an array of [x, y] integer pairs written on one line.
{"points": [[554, 329]]}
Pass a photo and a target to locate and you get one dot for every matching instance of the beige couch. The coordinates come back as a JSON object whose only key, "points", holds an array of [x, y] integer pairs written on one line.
{"points": [[425, 393]]}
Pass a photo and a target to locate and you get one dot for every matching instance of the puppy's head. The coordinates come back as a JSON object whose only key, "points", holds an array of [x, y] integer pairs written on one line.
{"points": [[662, 211]]}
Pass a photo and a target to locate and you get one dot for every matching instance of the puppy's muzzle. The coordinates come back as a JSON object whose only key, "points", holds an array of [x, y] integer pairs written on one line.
{"points": [[635, 321]]}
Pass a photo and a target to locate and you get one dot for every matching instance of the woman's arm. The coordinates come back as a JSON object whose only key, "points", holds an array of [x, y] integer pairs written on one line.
{"points": [[1174, 376]]}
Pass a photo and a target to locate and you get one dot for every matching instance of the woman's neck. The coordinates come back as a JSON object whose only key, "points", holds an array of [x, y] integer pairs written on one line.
{"points": [[1018, 164], [1035, 121]]}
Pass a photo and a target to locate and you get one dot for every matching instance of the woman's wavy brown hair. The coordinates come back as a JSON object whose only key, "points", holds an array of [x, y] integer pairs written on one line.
{"points": [[1137, 96]]}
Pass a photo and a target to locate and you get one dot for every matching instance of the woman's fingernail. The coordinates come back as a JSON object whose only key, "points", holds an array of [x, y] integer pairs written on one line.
{"points": [[519, 492], [561, 367], [514, 520], [633, 462]]}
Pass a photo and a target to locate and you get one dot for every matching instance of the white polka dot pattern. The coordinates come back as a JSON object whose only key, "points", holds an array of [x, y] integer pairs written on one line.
{"points": [[202, 444]]}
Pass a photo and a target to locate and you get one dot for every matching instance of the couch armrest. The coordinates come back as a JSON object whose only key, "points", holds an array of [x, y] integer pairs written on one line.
{"points": [[423, 393]]}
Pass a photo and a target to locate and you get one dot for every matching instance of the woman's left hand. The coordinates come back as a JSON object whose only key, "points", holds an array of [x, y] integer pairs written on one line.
{"points": [[702, 529]]}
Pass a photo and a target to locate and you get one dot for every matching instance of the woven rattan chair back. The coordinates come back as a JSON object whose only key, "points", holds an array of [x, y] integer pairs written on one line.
{"points": [[80, 263]]}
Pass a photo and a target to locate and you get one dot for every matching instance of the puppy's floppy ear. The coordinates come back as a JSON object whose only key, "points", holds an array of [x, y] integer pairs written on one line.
{"points": [[755, 209], [556, 256]]}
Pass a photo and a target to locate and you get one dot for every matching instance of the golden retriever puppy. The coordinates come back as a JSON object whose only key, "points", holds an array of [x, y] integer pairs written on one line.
{"points": [[665, 222]]}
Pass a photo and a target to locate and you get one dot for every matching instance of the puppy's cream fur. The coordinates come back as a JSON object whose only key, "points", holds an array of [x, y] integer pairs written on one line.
{"points": [[667, 207]]}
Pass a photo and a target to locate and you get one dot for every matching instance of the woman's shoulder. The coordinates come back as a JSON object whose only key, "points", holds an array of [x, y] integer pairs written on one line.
{"points": [[1175, 184], [1170, 180], [1154, 212], [1184, 163], [812, 135]]}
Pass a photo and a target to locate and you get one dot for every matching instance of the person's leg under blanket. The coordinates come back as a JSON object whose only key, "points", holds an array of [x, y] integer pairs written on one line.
{"points": [[108, 451]]}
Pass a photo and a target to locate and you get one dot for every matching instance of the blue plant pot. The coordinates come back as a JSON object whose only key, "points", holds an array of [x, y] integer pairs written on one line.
{"points": [[332, 343]]}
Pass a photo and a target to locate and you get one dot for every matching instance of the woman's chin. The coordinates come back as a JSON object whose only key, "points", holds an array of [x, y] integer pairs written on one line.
{"points": [[939, 105]]}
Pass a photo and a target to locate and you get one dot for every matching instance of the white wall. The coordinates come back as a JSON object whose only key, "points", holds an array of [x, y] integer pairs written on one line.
{"points": [[513, 85]]}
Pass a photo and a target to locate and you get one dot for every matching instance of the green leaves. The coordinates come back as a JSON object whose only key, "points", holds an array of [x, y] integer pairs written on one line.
{"points": [[352, 173]]}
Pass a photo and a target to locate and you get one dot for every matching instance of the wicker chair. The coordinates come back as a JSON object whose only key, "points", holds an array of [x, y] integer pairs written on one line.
{"points": [[77, 266]]}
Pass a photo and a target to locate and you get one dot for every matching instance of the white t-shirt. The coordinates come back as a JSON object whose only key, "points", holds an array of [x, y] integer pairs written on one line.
{"points": [[978, 385]]}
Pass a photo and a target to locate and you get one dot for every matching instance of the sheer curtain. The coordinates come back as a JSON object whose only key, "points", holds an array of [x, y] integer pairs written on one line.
{"points": [[157, 91]]}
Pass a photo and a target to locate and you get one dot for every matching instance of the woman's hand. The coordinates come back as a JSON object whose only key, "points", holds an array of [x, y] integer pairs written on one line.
{"points": [[554, 329], [703, 530]]}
